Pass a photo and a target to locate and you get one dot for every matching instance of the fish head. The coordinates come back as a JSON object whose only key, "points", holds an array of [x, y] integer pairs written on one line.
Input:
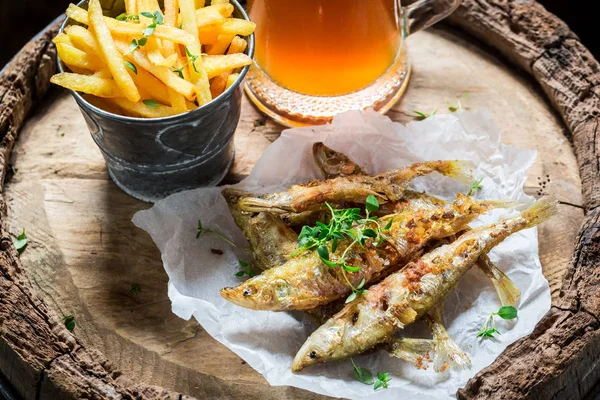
{"points": [[232, 196], [333, 163], [330, 341], [259, 293], [316, 349]]}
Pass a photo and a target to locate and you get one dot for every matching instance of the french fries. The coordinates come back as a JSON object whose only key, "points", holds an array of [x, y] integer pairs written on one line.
{"points": [[114, 59], [215, 65], [149, 62], [71, 55], [89, 84]]}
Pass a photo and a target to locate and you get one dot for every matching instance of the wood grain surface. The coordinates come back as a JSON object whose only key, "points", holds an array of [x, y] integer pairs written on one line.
{"points": [[84, 253]]}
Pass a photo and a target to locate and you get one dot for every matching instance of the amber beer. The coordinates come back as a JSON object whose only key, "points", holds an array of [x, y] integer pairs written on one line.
{"points": [[326, 47]]}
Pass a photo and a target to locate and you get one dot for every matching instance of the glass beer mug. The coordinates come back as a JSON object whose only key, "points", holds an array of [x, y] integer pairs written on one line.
{"points": [[318, 58]]}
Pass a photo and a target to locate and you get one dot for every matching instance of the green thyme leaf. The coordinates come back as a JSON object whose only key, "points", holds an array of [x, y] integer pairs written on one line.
{"points": [[476, 186], [389, 224], [158, 17], [323, 252], [361, 284], [453, 108], [329, 263], [488, 334], [149, 30], [133, 46], [424, 115], [134, 289], [21, 242], [125, 17], [131, 66], [142, 41], [151, 103], [350, 268], [362, 375], [382, 381], [179, 71], [507, 312], [246, 270], [351, 297], [372, 204], [369, 233], [69, 321], [334, 244]]}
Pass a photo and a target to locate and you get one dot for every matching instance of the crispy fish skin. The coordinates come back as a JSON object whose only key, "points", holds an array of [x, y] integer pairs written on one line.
{"points": [[407, 295], [333, 163], [305, 282], [388, 186], [409, 199], [270, 239]]}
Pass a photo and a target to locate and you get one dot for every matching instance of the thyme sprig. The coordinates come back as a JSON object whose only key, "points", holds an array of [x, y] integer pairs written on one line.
{"points": [[488, 330], [246, 269], [21, 242], [157, 19], [203, 230], [126, 17], [365, 377], [191, 59], [136, 44], [424, 115], [346, 224], [475, 186]]}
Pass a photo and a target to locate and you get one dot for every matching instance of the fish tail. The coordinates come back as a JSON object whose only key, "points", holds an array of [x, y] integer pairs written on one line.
{"points": [[416, 351], [508, 292], [465, 203], [460, 170], [540, 211], [447, 352]]}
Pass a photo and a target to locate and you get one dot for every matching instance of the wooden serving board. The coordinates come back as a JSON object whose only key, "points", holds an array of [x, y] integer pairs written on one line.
{"points": [[84, 252]]}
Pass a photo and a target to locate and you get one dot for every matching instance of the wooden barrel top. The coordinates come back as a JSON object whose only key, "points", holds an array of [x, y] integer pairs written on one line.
{"points": [[84, 253]]}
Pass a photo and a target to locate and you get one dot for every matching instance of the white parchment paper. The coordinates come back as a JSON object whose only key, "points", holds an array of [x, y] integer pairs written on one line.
{"points": [[268, 341]]}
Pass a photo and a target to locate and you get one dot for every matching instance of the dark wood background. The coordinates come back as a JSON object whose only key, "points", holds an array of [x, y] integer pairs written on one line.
{"points": [[22, 19]]}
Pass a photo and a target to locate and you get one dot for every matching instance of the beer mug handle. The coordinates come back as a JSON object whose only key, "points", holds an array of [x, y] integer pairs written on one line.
{"points": [[424, 13]]}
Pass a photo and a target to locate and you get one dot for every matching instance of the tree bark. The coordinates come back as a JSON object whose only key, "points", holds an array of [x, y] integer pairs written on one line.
{"points": [[560, 358]]}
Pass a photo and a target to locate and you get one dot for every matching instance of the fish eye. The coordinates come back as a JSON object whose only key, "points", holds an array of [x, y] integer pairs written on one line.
{"points": [[313, 354], [246, 292]]}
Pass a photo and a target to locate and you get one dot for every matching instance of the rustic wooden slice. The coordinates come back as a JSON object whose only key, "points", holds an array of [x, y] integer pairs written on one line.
{"points": [[85, 254]]}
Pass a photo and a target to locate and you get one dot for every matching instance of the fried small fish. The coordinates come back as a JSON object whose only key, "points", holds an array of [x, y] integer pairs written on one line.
{"points": [[387, 186], [334, 164], [409, 294], [444, 350], [271, 241], [305, 282]]}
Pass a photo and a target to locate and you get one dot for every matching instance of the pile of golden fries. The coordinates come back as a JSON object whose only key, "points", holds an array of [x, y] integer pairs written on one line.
{"points": [[149, 62]]}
